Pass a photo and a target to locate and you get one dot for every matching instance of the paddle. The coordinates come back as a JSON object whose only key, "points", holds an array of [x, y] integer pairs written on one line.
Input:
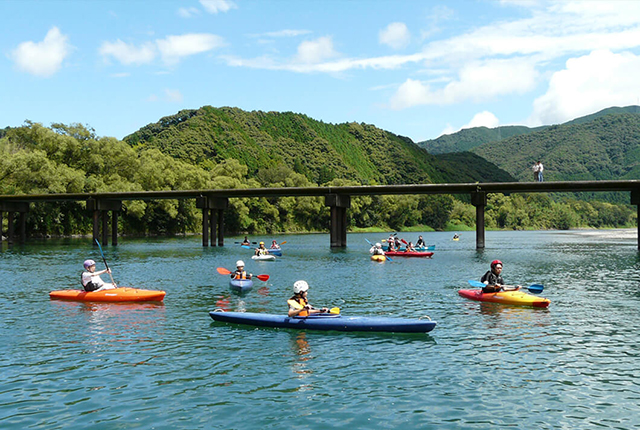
{"points": [[388, 258], [223, 271], [534, 288], [334, 310], [105, 263], [255, 243]]}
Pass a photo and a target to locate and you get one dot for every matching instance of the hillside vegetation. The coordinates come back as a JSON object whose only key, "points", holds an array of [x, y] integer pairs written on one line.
{"points": [[320, 151]]}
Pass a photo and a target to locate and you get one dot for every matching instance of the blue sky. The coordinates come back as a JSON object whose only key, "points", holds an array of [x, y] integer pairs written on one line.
{"points": [[415, 68]]}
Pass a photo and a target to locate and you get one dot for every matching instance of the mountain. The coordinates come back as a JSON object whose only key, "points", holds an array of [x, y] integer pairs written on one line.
{"points": [[320, 151], [607, 147], [470, 138]]}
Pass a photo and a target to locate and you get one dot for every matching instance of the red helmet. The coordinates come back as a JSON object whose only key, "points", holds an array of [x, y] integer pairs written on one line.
{"points": [[494, 262]]}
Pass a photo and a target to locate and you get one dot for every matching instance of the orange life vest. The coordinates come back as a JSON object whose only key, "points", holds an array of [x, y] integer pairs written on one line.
{"points": [[299, 303], [240, 275]]}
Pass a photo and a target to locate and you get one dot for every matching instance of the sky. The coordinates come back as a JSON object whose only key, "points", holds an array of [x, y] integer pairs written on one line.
{"points": [[415, 68]]}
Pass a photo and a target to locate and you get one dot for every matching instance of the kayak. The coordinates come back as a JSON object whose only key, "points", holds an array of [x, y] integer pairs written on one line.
{"points": [[518, 298], [277, 252], [417, 248], [326, 322], [241, 285], [121, 294], [379, 258], [409, 254], [456, 239], [266, 257]]}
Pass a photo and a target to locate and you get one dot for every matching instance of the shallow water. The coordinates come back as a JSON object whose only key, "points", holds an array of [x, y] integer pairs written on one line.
{"points": [[165, 366]]}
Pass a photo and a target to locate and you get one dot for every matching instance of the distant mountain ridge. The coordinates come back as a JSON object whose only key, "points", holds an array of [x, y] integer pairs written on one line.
{"points": [[470, 138], [320, 151]]}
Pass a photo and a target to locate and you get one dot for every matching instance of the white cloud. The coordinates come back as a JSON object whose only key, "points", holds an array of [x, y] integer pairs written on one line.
{"points": [[42, 58], [483, 119], [215, 6], [588, 84], [188, 12], [282, 33], [173, 48], [395, 35], [128, 54], [174, 96], [477, 81], [315, 51]]}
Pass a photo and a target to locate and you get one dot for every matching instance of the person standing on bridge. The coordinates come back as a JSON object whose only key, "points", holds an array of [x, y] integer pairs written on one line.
{"points": [[536, 171], [540, 170]]}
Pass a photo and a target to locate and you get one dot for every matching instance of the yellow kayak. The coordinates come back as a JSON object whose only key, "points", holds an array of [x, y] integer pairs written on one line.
{"points": [[378, 258], [517, 298]]}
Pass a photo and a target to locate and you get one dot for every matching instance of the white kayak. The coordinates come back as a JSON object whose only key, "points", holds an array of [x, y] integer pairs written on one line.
{"points": [[264, 257]]}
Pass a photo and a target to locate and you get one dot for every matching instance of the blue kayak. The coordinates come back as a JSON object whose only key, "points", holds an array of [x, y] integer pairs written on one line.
{"points": [[277, 252], [326, 322], [241, 285]]}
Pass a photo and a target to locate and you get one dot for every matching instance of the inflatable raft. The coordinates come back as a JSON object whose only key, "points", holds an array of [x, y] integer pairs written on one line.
{"points": [[122, 294], [409, 254], [327, 322]]}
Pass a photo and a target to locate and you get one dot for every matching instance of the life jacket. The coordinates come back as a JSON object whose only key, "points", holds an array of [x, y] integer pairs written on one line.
{"points": [[240, 275], [298, 303]]}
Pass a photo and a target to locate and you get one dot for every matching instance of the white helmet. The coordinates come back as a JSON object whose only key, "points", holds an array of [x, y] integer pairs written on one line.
{"points": [[378, 245], [300, 286], [239, 263]]}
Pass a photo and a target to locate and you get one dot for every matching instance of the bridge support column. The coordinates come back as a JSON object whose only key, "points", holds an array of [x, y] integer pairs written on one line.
{"points": [[21, 208], [338, 203], [101, 209], [635, 200], [212, 219], [479, 200]]}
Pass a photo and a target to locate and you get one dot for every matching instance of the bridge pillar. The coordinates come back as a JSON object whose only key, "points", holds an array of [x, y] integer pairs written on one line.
{"points": [[101, 209], [339, 203], [635, 200], [212, 219], [22, 208], [479, 200]]}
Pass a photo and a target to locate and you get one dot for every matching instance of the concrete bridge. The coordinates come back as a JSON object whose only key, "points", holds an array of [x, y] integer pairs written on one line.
{"points": [[214, 202]]}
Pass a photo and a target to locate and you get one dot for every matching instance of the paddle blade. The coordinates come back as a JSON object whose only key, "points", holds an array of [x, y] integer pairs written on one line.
{"points": [[476, 284], [403, 241], [536, 288], [263, 277], [334, 310], [223, 271], [282, 243]]}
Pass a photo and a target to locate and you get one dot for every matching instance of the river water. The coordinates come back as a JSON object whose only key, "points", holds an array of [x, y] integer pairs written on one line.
{"points": [[574, 365]]}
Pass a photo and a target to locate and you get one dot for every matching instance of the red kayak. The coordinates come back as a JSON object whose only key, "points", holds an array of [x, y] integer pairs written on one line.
{"points": [[408, 254]]}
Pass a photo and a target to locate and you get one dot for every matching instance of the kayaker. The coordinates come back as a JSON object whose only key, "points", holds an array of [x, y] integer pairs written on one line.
{"points": [[274, 245], [91, 280], [240, 272], [493, 279], [246, 241], [410, 248], [261, 250], [420, 242], [456, 236], [376, 249], [298, 304]]}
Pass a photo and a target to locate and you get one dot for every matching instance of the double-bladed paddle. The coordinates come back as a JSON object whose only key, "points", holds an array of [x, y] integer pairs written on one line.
{"points": [[534, 288], [105, 263], [223, 271]]}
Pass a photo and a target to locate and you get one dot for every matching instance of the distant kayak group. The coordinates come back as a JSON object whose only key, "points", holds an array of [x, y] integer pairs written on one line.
{"points": [[301, 314]]}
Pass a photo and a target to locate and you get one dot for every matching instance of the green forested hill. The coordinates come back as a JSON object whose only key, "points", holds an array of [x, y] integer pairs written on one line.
{"points": [[320, 151], [607, 147], [468, 139]]}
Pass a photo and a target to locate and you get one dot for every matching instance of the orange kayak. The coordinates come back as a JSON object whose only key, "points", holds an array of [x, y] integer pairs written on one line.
{"points": [[122, 294]]}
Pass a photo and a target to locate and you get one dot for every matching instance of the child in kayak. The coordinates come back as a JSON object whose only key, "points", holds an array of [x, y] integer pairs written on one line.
{"points": [[410, 248], [246, 242], [274, 245], [376, 249], [493, 279], [91, 280], [420, 242], [240, 273], [298, 305], [261, 250]]}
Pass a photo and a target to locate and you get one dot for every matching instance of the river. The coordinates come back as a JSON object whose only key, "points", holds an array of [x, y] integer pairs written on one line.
{"points": [[167, 366]]}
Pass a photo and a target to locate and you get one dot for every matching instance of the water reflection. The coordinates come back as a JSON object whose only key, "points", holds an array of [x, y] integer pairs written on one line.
{"points": [[300, 367]]}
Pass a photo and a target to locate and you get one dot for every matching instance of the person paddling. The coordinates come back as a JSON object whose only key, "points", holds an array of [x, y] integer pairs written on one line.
{"points": [[261, 250], [420, 242], [493, 279], [246, 242], [376, 249], [240, 272], [91, 280], [410, 248], [298, 304], [274, 245]]}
